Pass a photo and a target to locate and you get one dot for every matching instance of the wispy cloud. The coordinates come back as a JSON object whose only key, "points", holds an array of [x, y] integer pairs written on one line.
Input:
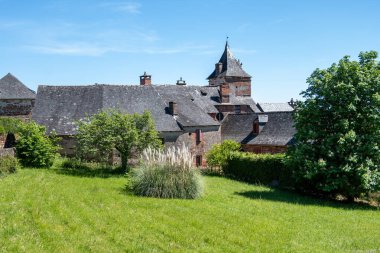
{"points": [[88, 49], [128, 7]]}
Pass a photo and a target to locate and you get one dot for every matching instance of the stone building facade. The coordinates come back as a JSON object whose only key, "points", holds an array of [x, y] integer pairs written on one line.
{"points": [[16, 101], [198, 116]]}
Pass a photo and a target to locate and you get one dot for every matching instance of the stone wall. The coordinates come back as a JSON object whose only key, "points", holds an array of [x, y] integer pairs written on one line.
{"points": [[7, 152], [200, 148], [15, 107], [67, 144], [263, 149]]}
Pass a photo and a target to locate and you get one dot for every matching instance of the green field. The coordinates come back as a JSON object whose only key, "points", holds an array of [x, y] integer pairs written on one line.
{"points": [[50, 211]]}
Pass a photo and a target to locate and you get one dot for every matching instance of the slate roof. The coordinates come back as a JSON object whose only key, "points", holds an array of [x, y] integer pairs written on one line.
{"points": [[189, 113], [230, 66], [59, 107], [238, 127], [278, 131], [12, 88], [274, 107]]}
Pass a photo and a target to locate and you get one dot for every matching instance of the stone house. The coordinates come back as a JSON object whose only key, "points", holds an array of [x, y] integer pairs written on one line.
{"points": [[198, 116], [16, 101]]}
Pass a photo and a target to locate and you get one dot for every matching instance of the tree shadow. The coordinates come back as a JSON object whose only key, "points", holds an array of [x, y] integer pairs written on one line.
{"points": [[298, 199], [84, 171]]}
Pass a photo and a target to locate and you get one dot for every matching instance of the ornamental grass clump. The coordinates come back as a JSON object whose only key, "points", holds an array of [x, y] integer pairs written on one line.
{"points": [[167, 174]]}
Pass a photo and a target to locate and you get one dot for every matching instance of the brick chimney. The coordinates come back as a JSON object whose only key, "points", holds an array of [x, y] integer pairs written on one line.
{"points": [[173, 108], [181, 82], [224, 93], [218, 68], [146, 79]]}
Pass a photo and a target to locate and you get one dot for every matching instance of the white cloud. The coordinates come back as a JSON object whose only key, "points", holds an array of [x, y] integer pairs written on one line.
{"points": [[128, 7]]}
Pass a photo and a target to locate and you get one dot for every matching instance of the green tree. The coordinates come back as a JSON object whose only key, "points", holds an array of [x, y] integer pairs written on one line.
{"points": [[338, 129], [219, 153], [33, 147], [100, 134]]}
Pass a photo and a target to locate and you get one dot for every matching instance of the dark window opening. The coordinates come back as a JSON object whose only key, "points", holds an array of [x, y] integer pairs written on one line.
{"points": [[198, 160], [256, 128], [237, 109], [219, 116], [10, 141], [198, 136]]}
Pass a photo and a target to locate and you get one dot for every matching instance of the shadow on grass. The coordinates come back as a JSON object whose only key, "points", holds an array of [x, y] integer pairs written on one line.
{"points": [[84, 171], [298, 199]]}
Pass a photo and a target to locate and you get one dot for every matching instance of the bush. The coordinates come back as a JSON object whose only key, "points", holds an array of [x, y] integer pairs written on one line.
{"points": [[219, 153], [167, 174], [259, 168], [8, 165], [34, 148]]}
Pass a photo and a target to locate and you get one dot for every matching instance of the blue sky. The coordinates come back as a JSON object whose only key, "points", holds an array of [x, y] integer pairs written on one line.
{"points": [[279, 42]]}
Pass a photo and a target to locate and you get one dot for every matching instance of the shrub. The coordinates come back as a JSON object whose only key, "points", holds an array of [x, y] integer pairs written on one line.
{"points": [[219, 153], [167, 174], [8, 165], [258, 168], [34, 148]]}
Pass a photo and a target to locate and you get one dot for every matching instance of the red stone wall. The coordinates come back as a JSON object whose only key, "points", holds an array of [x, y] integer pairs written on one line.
{"points": [[263, 149], [16, 107]]}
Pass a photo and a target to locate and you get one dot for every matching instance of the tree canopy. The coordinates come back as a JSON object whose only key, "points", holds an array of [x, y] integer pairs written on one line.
{"points": [[338, 129], [108, 130]]}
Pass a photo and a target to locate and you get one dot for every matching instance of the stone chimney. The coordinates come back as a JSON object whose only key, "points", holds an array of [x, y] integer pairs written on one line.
{"points": [[173, 108], [146, 79], [218, 68], [224, 93], [181, 82]]}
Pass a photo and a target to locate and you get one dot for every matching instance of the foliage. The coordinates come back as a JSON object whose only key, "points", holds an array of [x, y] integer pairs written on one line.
{"points": [[50, 212], [220, 153], [77, 167], [338, 129], [167, 174], [258, 168], [34, 148], [108, 130], [8, 165], [9, 125]]}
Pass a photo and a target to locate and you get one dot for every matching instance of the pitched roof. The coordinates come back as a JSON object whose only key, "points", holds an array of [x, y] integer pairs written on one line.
{"points": [[278, 131], [59, 107], [230, 66], [274, 107], [238, 127], [189, 113], [12, 88]]}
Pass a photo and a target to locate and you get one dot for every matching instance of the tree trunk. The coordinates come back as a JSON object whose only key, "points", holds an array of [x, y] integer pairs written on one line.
{"points": [[124, 161]]}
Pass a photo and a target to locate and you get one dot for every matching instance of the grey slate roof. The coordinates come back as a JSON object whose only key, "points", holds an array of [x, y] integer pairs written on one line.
{"points": [[238, 127], [278, 131], [12, 88], [59, 107], [274, 107], [189, 113], [230, 66]]}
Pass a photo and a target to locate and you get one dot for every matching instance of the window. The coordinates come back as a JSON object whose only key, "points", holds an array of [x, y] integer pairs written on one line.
{"points": [[256, 128], [198, 136], [198, 160], [237, 109]]}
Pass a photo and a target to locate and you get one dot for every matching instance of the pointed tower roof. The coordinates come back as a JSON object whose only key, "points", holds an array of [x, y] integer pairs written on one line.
{"points": [[230, 65], [12, 88]]}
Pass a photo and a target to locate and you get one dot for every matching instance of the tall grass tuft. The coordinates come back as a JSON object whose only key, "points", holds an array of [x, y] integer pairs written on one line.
{"points": [[167, 174], [8, 165]]}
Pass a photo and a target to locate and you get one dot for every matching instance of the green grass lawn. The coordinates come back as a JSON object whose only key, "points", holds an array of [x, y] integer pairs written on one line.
{"points": [[50, 211]]}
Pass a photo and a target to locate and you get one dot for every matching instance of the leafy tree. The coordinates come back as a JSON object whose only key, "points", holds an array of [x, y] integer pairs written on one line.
{"points": [[9, 125], [33, 147], [100, 134], [338, 129], [219, 153]]}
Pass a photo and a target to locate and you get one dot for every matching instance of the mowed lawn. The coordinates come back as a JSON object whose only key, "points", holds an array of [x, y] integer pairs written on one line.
{"points": [[47, 211]]}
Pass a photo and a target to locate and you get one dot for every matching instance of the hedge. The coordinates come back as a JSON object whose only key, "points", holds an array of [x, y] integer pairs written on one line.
{"points": [[259, 168]]}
